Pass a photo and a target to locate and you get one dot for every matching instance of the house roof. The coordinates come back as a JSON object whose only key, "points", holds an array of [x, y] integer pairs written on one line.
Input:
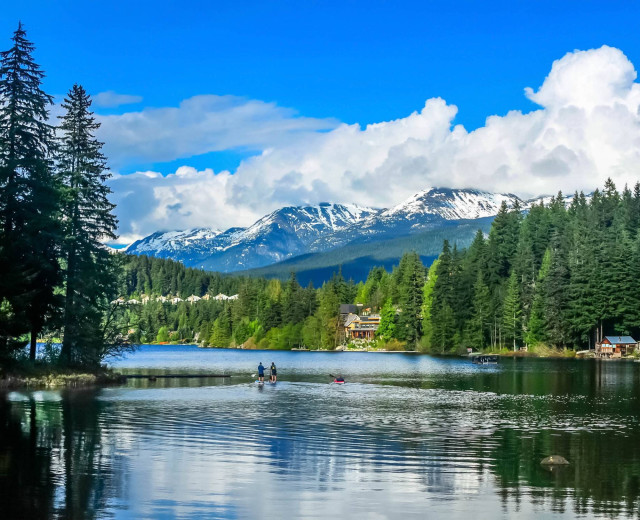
{"points": [[621, 340], [350, 319]]}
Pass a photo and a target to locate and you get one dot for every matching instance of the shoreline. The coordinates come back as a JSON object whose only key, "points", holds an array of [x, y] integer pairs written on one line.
{"points": [[53, 377]]}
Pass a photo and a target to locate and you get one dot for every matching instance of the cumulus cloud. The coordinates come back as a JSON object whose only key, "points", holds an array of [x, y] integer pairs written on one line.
{"points": [[200, 125], [110, 99], [586, 129]]}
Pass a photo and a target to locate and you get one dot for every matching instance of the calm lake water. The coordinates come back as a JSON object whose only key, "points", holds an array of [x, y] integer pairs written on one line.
{"points": [[408, 436]]}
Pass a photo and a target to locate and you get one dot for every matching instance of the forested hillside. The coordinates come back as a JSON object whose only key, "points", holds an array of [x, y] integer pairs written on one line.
{"points": [[357, 259], [556, 276], [267, 313]]}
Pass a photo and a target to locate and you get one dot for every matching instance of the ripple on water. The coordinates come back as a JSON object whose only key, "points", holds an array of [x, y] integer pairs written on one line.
{"points": [[421, 435]]}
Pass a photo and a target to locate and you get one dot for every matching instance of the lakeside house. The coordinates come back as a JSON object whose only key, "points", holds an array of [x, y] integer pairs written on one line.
{"points": [[361, 326], [615, 347], [193, 298]]}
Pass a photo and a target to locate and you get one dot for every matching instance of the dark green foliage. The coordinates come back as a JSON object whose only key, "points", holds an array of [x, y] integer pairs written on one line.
{"points": [[556, 276], [410, 286], [91, 271], [29, 198], [479, 326], [512, 312], [387, 327]]}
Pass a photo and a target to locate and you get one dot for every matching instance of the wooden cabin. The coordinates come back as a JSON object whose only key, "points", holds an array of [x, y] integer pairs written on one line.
{"points": [[615, 347]]}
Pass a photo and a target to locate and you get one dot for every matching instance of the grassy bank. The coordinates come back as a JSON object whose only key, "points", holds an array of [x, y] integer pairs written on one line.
{"points": [[44, 375], [540, 350]]}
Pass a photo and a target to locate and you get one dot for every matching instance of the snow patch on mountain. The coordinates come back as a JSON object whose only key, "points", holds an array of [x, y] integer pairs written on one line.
{"points": [[167, 241], [451, 204]]}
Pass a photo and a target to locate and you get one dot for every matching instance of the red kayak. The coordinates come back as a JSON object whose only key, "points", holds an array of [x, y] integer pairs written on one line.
{"points": [[339, 382]]}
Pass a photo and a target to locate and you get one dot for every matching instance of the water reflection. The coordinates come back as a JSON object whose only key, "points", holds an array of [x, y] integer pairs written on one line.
{"points": [[436, 437]]}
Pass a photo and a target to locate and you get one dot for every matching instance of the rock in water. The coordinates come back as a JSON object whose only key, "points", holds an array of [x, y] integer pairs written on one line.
{"points": [[554, 460]]}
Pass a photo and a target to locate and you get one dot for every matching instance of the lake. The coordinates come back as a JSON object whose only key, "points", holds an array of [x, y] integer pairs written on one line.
{"points": [[408, 436]]}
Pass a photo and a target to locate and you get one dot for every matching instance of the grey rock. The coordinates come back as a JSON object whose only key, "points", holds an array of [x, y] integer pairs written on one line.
{"points": [[554, 460]]}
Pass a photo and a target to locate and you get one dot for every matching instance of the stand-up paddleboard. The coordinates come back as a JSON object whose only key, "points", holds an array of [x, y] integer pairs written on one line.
{"points": [[259, 382]]}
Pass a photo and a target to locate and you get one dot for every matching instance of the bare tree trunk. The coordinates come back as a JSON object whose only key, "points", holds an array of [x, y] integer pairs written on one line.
{"points": [[32, 346]]}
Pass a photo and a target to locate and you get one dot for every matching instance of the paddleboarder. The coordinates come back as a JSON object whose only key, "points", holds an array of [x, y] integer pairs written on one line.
{"points": [[261, 372], [274, 373]]}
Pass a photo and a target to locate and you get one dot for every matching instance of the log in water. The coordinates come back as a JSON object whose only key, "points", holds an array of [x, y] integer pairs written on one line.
{"points": [[172, 376]]}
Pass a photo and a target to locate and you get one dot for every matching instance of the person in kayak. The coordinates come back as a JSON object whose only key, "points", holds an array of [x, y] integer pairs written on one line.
{"points": [[274, 373], [339, 379], [261, 372]]}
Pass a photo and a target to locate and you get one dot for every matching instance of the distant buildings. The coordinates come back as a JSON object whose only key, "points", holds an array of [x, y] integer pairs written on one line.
{"points": [[223, 297], [174, 300]]}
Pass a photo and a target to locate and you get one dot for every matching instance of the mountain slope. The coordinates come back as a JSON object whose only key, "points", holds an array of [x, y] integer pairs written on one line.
{"points": [[356, 259], [276, 236]]}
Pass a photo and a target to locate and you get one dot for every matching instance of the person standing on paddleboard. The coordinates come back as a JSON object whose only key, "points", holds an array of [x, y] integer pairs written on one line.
{"points": [[261, 372], [274, 373]]}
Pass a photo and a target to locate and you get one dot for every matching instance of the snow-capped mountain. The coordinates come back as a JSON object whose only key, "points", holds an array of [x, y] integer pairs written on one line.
{"points": [[293, 231], [279, 235], [428, 209]]}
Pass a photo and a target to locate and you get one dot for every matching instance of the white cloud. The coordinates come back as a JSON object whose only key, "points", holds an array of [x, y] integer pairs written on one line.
{"points": [[586, 130], [110, 99], [200, 125]]}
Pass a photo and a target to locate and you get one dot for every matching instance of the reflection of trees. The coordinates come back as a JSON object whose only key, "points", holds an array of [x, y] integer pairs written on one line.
{"points": [[88, 476], [26, 476], [45, 446], [603, 476]]}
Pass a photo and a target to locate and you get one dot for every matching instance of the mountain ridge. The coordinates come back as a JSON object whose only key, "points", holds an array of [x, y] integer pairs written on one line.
{"points": [[297, 230]]}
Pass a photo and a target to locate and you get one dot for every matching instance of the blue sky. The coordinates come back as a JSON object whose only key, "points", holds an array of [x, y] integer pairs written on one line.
{"points": [[356, 62]]}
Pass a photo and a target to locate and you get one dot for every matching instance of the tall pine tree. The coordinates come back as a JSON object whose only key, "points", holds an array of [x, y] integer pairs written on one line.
{"points": [[88, 219], [29, 197]]}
